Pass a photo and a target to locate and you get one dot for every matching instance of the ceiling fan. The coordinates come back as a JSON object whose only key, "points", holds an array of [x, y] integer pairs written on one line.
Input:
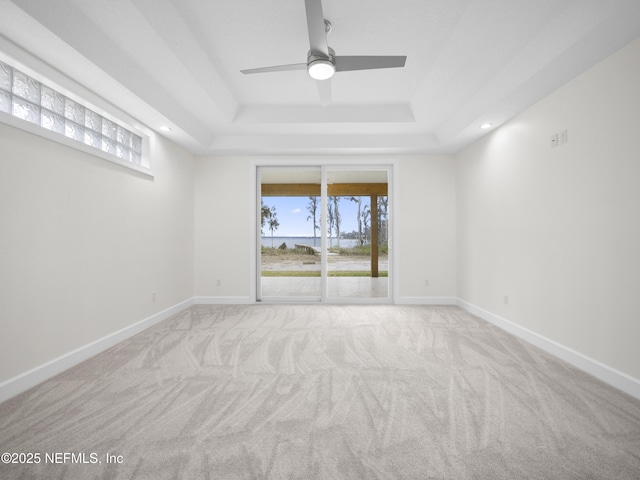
{"points": [[322, 62]]}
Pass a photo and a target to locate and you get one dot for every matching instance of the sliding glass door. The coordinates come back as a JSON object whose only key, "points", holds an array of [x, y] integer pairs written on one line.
{"points": [[290, 256], [357, 232], [323, 234]]}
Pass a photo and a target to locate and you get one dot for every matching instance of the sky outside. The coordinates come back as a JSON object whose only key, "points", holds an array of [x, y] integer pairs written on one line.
{"points": [[292, 214]]}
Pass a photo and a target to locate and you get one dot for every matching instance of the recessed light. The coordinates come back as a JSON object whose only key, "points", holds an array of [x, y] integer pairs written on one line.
{"points": [[484, 126], [164, 128]]}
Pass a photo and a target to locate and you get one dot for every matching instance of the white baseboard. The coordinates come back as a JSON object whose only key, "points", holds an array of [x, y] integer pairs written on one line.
{"points": [[223, 300], [13, 386], [613, 377], [426, 301]]}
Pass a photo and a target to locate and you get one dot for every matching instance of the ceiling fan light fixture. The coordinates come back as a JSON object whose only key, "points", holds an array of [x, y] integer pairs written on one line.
{"points": [[321, 69]]}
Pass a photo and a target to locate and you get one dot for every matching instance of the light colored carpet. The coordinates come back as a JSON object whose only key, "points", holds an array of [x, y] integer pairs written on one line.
{"points": [[324, 392]]}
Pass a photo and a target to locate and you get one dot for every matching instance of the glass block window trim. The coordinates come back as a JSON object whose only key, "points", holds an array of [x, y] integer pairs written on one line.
{"points": [[28, 99]]}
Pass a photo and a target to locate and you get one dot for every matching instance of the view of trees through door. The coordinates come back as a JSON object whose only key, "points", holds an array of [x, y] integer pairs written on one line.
{"points": [[352, 240], [357, 231]]}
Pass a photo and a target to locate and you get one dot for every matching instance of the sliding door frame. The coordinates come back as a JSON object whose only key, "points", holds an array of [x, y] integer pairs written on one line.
{"points": [[364, 163], [258, 273]]}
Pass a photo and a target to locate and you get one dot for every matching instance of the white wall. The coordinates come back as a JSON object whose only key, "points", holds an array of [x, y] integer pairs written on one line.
{"points": [[223, 218], [425, 240], [427, 236], [558, 229], [83, 244]]}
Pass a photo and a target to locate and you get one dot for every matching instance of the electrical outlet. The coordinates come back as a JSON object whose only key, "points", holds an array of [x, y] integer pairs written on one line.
{"points": [[153, 296], [554, 140], [426, 282], [218, 283], [506, 299]]}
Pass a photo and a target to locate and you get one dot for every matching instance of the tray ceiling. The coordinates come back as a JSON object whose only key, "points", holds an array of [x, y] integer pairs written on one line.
{"points": [[177, 63]]}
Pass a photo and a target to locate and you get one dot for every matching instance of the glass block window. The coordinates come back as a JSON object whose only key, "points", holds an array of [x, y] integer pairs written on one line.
{"points": [[28, 99]]}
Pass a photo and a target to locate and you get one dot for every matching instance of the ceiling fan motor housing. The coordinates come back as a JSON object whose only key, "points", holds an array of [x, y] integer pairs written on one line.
{"points": [[319, 66]]}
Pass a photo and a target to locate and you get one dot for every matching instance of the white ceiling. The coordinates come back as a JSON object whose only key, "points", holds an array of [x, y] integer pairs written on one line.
{"points": [[178, 62]]}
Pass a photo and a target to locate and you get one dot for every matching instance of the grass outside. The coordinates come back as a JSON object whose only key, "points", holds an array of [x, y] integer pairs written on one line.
{"points": [[364, 251], [335, 273], [303, 257]]}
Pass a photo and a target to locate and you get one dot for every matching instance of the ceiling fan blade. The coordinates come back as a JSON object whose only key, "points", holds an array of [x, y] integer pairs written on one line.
{"points": [[324, 90], [346, 63], [315, 24], [278, 68]]}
